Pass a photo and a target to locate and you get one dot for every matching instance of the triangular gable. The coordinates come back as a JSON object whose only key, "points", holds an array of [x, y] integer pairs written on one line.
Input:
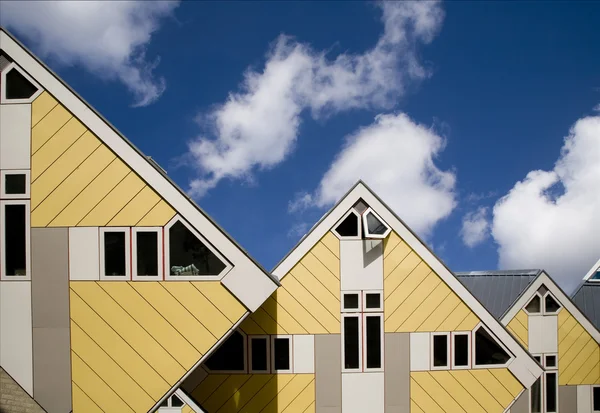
{"points": [[246, 280], [523, 366]]}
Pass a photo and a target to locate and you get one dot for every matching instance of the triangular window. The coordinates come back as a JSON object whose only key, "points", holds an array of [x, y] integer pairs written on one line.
{"points": [[487, 350], [349, 227], [535, 305], [374, 225], [550, 304], [230, 356], [18, 86]]}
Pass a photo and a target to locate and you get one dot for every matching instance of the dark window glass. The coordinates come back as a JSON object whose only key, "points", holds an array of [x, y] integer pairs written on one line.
{"points": [[596, 276], [373, 342], [165, 403], [15, 236], [189, 256], [550, 361], [538, 359], [17, 86], [536, 397], [596, 398], [440, 351], [461, 350], [349, 226], [487, 349], [176, 401], [351, 301], [351, 348], [373, 300], [375, 226], [551, 305], [230, 355], [259, 354], [534, 305], [281, 353], [147, 253], [15, 184], [114, 253], [550, 392]]}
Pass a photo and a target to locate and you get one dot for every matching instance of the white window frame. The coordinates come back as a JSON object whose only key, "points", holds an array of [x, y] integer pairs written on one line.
{"points": [[555, 367], [246, 362], [3, 275], [448, 351], [364, 344], [541, 312], [127, 232], [160, 249], [167, 251], [366, 227], [272, 353], [351, 310], [359, 223], [474, 365], [560, 306], [545, 393], [469, 352], [592, 396], [25, 172], [360, 343], [268, 349], [364, 301], [169, 408], [7, 69]]}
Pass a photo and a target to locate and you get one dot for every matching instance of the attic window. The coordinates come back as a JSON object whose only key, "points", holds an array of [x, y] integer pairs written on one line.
{"points": [[550, 304], [349, 227], [18, 86], [487, 350], [535, 305], [374, 225], [596, 275]]}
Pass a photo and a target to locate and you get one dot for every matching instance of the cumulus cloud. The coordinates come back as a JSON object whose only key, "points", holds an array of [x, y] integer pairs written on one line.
{"points": [[257, 127], [475, 227], [107, 38], [551, 219], [395, 157]]}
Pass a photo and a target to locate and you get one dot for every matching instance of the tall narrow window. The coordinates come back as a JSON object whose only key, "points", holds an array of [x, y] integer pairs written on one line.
{"points": [[351, 343], [259, 354], [281, 348], [114, 251], [461, 350], [487, 350], [15, 184], [15, 239], [536, 396], [373, 341], [147, 250], [551, 392], [440, 350]]}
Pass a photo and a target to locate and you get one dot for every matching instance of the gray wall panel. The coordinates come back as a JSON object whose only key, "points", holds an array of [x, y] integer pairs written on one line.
{"points": [[567, 398], [397, 372], [521, 405], [328, 373], [52, 369]]}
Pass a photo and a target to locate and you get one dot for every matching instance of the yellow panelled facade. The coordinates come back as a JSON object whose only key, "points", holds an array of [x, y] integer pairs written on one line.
{"points": [[578, 352], [463, 391], [308, 301], [519, 327], [132, 341], [253, 393], [77, 181], [415, 297]]}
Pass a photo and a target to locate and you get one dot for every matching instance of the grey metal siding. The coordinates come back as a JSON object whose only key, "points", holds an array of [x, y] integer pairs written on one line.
{"points": [[328, 373], [397, 372]]}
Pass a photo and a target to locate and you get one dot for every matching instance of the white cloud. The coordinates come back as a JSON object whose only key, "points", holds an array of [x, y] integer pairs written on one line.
{"points": [[551, 219], [107, 38], [395, 157], [475, 227], [257, 127]]}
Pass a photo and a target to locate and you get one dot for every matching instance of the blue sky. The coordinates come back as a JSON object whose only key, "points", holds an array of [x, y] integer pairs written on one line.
{"points": [[485, 92]]}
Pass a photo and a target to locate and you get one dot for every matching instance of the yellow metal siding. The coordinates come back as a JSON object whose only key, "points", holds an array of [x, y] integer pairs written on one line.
{"points": [[458, 391], [132, 341], [519, 327], [251, 393], [415, 297], [308, 301], [578, 353], [78, 181]]}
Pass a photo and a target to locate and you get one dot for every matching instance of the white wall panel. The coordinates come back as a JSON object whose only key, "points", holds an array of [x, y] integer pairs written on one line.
{"points": [[584, 399], [543, 334], [16, 336], [15, 136], [361, 265], [304, 353], [363, 392], [419, 351], [84, 254]]}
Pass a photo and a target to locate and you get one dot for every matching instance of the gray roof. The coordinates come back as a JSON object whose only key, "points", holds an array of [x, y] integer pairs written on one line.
{"points": [[587, 299], [498, 290]]}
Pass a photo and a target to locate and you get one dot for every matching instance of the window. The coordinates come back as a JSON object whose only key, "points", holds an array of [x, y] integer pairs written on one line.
{"points": [[373, 341], [351, 302], [15, 227], [551, 361], [551, 306], [374, 225], [114, 253], [147, 253], [534, 306], [17, 86], [230, 356], [171, 404], [551, 391], [596, 399], [259, 354], [349, 226], [462, 350], [440, 348], [281, 354], [188, 255], [373, 301], [487, 349], [535, 396], [15, 184], [351, 347]]}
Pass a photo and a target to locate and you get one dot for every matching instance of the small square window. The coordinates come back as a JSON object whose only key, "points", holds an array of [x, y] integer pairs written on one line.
{"points": [[373, 300], [351, 302], [15, 184], [550, 361]]}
